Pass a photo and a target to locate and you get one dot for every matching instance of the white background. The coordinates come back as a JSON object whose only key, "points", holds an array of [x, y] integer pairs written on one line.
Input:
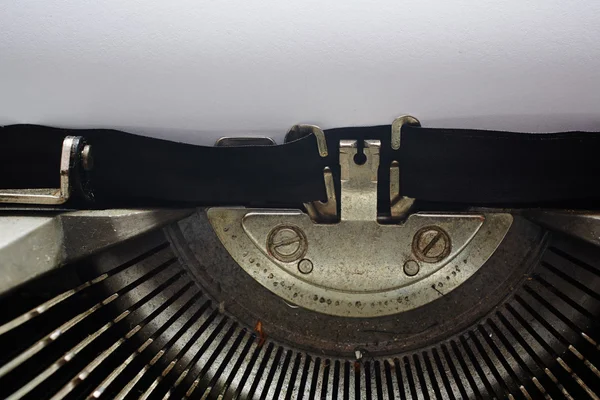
{"points": [[194, 70]]}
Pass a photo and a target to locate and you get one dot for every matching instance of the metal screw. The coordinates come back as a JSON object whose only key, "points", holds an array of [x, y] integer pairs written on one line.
{"points": [[411, 268], [431, 244], [287, 243], [86, 158], [305, 266]]}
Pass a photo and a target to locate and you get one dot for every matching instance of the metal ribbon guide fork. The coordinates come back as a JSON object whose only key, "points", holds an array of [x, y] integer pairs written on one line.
{"points": [[358, 267]]}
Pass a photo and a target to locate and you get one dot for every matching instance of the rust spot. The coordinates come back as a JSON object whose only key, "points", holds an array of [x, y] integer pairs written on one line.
{"points": [[258, 328], [356, 366]]}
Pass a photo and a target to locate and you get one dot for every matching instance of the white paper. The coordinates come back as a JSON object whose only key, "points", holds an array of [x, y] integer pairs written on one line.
{"points": [[196, 70]]}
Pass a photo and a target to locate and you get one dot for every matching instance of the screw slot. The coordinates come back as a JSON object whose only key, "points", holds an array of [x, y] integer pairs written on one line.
{"points": [[287, 243], [431, 244]]}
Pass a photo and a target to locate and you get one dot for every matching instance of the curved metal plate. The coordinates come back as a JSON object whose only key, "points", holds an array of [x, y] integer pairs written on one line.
{"points": [[357, 265]]}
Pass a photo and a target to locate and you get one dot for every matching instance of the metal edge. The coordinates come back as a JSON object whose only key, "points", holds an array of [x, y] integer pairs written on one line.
{"points": [[31, 245]]}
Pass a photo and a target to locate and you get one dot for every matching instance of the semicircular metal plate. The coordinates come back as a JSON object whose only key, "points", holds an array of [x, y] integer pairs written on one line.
{"points": [[357, 266]]}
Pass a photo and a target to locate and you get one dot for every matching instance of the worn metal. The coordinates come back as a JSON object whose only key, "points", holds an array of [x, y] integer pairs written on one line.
{"points": [[50, 196], [399, 205], [324, 211], [287, 243], [87, 158], [397, 129], [359, 181], [141, 328], [300, 130], [136, 324], [305, 266], [431, 244], [584, 225], [411, 268], [319, 211], [31, 245], [207, 259], [244, 141], [358, 262]]}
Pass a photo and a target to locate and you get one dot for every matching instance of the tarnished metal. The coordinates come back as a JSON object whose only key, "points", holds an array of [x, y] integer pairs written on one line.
{"points": [[358, 262], [399, 205], [305, 266], [287, 243], [300, 130], [584, 225], [431, 244], [138, 325], [319, 211], [397, 128], [359, 181], [51, 196], [244, 141], [324, 211], [411, 268], [87, 158], [143, 322], [31, 245]]}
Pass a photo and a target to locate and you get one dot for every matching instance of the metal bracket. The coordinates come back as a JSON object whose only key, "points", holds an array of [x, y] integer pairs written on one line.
{"points": [[324, 212], [300, 130], [359, 181], [399, 205], [320, 211], [397, 128], [242, 141], [358, 267], [73, 149]]}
